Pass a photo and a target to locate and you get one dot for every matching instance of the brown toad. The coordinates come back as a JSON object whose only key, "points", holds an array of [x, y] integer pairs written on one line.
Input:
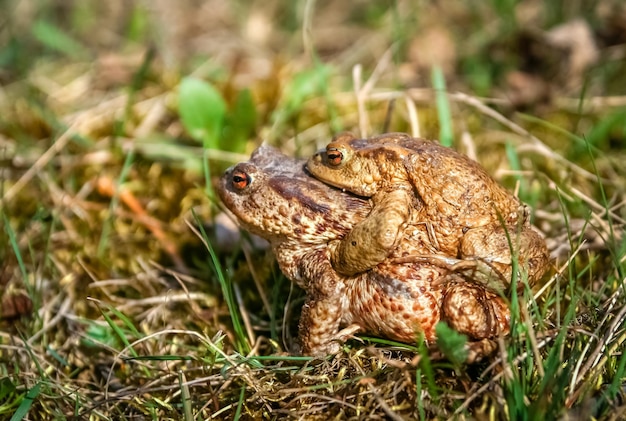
{"points": [[447, 197], [304, 220]]}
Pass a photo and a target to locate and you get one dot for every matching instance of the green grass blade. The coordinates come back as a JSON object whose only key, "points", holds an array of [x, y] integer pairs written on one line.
{"points": [[185, 396], [514, 163], [120, 334], [55, 39], [418, 394], [617, 384], [446, 136], [427, 369], [240, 401], [27, 402], [18, 255], [139, 77], [227, 290]]}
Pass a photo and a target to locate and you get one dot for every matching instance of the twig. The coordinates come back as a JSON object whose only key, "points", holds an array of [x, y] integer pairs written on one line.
{"points": [[106, 187], [383, 405], [538, 360], [598, 207], [59, 315], [307, 32], [389, 115], [591, 104], [255, 276], [538, 145]]}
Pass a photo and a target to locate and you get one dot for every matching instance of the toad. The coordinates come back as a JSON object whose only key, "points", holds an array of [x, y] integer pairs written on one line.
{"points": [[304, 220], [469, 219]]}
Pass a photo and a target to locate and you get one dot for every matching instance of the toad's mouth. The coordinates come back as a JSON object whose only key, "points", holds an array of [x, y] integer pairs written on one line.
{"points": [[333, 185]]}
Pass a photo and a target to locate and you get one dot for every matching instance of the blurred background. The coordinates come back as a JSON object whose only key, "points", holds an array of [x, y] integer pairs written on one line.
{"points": [[524, 54]]}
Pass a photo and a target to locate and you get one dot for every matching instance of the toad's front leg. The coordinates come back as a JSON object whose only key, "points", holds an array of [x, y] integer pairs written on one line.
{"points": [[372, 240], [319, 327], [322, 312]]}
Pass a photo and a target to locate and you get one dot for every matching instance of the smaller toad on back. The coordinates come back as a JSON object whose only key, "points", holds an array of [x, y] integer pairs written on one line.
{"points": [[466, 213]]}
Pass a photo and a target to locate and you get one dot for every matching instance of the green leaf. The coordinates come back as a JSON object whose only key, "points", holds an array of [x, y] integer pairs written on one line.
{"points": [[451, 343], [242, 122], [305, 85], [55, 39], [202, 109]]}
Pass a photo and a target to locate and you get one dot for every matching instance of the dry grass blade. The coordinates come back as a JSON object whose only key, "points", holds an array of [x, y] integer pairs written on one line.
{"points": [[362, 91], [538, 144], [593, 365], [43, 160]]}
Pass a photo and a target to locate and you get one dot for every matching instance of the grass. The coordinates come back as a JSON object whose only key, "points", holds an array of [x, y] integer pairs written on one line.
{"points": [[125, 295]]}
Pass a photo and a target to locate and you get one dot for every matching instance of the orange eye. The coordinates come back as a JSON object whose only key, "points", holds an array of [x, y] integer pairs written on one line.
{"points": [[241, 180], [334, 155]]}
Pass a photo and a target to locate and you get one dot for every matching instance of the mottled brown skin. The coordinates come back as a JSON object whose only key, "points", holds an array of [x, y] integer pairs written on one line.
{"points": [[304, 220], [467, 217]]}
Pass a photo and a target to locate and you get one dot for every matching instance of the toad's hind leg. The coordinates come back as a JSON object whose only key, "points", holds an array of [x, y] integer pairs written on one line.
{"points": [[371, 240], [474, 311], [490, 245]]}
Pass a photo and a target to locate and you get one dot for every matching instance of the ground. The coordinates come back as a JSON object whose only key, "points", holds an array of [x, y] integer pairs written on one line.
{"points": [[127, 294]]}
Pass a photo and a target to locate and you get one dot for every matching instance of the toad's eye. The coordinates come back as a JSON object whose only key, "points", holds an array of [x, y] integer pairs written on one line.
{"points": [[241, 180], [335, 156]]}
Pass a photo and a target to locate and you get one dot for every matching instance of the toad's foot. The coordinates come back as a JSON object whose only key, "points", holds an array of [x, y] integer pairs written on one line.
{"points": [[346, 333], [475, 351], [332, 343], [478, 350]]}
